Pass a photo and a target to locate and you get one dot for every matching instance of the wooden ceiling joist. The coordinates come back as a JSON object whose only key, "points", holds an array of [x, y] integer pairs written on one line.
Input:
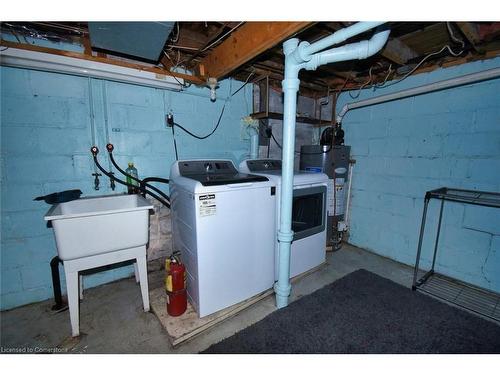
{"points": [[398, 52], [257, 47], [471, 32], [83, 56], [246, 43]]}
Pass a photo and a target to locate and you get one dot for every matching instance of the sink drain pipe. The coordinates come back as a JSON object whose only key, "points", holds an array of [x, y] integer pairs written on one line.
{"points": [[56, 284], [308, 56]]}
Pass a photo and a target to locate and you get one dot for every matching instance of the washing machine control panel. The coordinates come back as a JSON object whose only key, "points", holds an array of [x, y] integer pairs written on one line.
{"points": [[197, 167], [261, 165], [215, 172]]}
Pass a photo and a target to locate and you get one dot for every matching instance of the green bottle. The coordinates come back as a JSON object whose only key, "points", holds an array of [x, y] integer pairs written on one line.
{"points": [[131, 170]]}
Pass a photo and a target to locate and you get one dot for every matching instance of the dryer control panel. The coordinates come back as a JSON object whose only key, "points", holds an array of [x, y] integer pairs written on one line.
{"points": [[261, 165]]}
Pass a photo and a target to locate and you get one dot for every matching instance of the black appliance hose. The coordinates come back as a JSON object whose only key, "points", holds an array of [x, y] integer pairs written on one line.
{"points": [[143, 183], [94, 150]]}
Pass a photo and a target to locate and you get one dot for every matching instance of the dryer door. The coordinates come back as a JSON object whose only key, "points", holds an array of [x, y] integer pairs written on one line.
{"points": [[309, 211]]}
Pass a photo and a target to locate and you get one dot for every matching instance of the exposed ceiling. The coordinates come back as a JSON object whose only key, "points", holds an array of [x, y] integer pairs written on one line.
{"points": [[253, 49]]}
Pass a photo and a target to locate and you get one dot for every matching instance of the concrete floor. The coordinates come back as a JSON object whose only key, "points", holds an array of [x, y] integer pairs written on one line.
{"points": [[112, 319]]}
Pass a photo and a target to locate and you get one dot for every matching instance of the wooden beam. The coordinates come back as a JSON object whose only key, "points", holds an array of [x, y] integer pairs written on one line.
{"points": [[398, 52], [471, 32], [126, 64], [246, 43], [86, 45]]}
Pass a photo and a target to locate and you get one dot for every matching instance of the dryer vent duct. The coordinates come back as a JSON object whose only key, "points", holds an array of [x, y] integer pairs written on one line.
{"points": [[138, 39]]}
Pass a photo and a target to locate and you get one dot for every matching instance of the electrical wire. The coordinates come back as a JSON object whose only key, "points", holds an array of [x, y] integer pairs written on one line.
{"points": [[175, 143], [385, 84], [453, 37], [222, 37], [204, 136], [299, 152], [389, 71], [279, 146], [421, 62], [171, 46], [370, 78], [218, 120], [183, 85], [177, 34], [243, 85]]}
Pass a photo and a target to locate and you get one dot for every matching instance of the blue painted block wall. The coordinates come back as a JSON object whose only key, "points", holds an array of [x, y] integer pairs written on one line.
{"points": [[46, 135], [406, 147]]}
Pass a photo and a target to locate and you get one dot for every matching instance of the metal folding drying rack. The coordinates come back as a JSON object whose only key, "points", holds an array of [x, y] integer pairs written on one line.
{"points": [[478, 300]]}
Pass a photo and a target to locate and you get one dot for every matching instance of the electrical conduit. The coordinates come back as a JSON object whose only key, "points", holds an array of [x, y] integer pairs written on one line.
{"points": [[424, 89], [307, 56]]}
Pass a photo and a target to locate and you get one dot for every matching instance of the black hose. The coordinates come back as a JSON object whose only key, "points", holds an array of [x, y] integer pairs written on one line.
{"points": [[142, 189], [156, 179], [94, 151], [143, 183]]}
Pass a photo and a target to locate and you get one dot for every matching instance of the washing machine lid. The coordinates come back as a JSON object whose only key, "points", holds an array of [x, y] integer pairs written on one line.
{"points": [[215, 172]]}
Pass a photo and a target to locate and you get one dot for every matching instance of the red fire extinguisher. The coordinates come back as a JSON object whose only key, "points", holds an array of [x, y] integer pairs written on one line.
{"points": [[175, 285]]}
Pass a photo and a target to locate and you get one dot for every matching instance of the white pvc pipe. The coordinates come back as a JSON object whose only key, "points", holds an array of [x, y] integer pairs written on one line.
{"points": [[353, 51], [296, 59], [254, 143], [347, 210], [424, 89], [337, 37]]}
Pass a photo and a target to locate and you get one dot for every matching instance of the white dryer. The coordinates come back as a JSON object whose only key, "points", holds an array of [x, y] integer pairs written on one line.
{"points": [[309, 213], [223, 224]]}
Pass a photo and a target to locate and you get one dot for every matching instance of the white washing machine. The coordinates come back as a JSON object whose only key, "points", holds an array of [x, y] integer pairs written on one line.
{"points": [[309, 213], [223, 224]]}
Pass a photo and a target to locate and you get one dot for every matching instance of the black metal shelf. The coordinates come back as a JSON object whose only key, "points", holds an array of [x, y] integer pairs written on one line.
{"points": [[279, 116], [481, 301], [481, 198]]}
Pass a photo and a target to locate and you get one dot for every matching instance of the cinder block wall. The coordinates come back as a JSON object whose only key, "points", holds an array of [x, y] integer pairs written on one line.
{"points": [[406, 147], [46, 136], [305, 134]]}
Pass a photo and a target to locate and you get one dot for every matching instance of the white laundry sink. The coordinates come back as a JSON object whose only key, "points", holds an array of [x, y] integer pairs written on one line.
{"points": [[91, 226]]}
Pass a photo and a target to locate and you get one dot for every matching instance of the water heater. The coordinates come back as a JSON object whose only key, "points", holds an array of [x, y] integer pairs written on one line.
{"points": [[334, 161]]}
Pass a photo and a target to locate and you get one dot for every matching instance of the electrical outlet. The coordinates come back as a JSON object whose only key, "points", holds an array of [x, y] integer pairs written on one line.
{"points": [[169, 119]]}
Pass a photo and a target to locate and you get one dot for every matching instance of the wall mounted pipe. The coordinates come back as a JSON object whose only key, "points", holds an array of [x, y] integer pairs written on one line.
{"points": [[297, 57], [423, 89], [254, 142]]}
